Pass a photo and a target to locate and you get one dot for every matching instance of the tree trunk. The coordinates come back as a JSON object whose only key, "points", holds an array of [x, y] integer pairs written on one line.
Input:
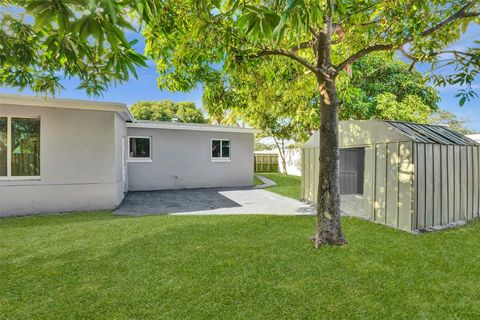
{"points": [[283, 156], [328, 228], [281, 152], [284, 164]]}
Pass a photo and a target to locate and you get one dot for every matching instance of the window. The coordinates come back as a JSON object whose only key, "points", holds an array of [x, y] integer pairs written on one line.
{"points": [[19, 147], [3, 146], [220, 150], [139, 149]]}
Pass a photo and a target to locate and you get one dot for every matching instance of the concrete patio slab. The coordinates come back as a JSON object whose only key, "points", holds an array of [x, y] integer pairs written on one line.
{"points": [[211, 201]]}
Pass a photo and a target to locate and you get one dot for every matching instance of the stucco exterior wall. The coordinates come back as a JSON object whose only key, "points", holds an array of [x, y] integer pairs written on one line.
{"points": [[78, 163], [182, 159], [121, 168]]}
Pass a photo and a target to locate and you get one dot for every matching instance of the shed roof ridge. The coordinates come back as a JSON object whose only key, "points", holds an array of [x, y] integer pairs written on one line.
{"points": [[431, 133]]}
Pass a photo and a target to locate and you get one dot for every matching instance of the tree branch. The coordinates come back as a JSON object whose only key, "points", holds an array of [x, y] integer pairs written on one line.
{"points": [[460, 14], [454, 52], [408, 55], [471, 14], [313, 32], [283, 53], [301, 46], [361, 10], [364, 52], [457, 15]]}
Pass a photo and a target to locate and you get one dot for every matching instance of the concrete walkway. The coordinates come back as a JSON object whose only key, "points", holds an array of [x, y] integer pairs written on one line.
{"points": [[211, 201], [266, 182]]}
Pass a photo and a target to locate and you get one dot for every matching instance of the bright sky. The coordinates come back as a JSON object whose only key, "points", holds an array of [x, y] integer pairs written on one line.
{"points": [[145, 87]]}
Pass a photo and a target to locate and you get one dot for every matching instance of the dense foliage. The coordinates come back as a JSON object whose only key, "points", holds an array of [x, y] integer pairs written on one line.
{"points": [[285, 106], [382, 87], [82, 39], [166, 110]]}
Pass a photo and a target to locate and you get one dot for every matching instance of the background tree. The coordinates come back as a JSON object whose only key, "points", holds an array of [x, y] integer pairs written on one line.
{"points": [[83, 39], [166, 110], [194, 38], [260, 146], [449, 119], [383, 87]]}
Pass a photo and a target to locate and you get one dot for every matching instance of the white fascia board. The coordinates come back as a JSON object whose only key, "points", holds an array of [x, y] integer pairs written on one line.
{"points": [[191, 127], [32, 101]]}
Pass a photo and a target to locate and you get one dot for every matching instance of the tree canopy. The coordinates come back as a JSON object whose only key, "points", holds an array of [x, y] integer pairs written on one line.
{"points": [[166, 110], [83, 39], [383, 87], [286, 105]]}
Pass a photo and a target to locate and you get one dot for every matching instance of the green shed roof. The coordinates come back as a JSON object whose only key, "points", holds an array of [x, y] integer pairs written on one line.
{"points": [[427, 133], [366, 132]]}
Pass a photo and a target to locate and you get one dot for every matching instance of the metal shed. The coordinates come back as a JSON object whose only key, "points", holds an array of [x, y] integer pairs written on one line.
{"points": [[409, 176]]}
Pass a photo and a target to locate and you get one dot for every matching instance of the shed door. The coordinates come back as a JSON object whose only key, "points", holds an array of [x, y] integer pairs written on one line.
{"points": [[352, 163]]}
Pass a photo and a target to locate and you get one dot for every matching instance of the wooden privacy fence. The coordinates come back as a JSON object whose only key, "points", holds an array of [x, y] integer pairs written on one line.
{"points": [[266, 162]]}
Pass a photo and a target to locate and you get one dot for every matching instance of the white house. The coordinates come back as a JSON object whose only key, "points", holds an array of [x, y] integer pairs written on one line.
{"points": [[60, 155], [475, 137]]}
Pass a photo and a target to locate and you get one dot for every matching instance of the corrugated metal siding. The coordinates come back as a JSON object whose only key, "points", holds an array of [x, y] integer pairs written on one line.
{"points": [[447, 184], [368, 185], [412, 184], [388, 183]]}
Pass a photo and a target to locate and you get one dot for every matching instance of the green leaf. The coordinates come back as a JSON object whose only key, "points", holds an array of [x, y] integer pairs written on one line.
{"points": [[279, 29]]}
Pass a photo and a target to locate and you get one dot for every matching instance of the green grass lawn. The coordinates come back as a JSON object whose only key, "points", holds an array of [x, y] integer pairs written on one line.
{"points": [[97, 266], [288, 186]]}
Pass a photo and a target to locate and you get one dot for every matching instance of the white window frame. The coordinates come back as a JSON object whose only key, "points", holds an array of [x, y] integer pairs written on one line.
{"points": [[140, 159], [221, 159], [9, 176]]}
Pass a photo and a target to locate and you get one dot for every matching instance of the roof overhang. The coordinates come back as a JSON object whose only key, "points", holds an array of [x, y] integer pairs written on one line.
{"points": [[475, 137], [189, 126], [32, 101]]}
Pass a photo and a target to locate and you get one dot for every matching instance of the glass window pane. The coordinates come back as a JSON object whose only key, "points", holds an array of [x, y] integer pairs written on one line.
{"points": [[215, 148], [225, 148], [139, 148], [3, 146], [25, 147]]}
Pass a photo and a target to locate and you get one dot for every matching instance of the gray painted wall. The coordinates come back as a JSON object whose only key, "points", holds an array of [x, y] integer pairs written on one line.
{"points": [[79, 167], [182, 159]]}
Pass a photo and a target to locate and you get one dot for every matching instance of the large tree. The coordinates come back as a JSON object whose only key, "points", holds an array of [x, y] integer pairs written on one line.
{"points": [[193, 38], [282, 101], [166, 110]]}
